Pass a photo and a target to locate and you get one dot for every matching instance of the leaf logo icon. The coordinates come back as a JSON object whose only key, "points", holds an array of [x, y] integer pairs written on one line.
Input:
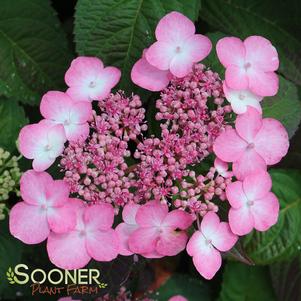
{"points": [[10, 276]]}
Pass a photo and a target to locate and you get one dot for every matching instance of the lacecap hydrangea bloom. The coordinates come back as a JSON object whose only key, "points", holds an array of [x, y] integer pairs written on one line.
{"points": [[126, 192]]}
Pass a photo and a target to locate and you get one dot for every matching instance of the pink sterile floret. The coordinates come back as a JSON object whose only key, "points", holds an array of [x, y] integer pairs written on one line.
{"points": [[89, 80], [149, 77], [159, 230], [177, 46], [241, 99], [92, 237], [252, 204], [250, 64], [178, 298], [44, 208], [59, 108], [43, 143], [254, 144], [205, 245]]}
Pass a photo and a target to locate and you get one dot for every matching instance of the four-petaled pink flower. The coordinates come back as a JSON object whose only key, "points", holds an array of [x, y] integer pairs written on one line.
{"points": [[89, 80], [149, 77], [177, 47], [45, 208], [241, 99], [92, 237], [59, 108], [205, 245], [159, 230], [254, 144], [43, 143], [250, 64], [252, 204]]}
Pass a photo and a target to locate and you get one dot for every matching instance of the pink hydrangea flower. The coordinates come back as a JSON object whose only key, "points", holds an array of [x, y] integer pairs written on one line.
{"points": [[59, 108], [177, 298], [241, 99], [250, 64], [149, 77], [92, 237], [206, 244], [157, 230], [89, 80], [177, 46], [44, 208], [222, 168], [252, 204], [43, 143], [253, 144]]}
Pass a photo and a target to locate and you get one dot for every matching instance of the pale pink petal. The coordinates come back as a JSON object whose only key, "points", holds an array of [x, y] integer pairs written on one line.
{"points": [[257, 185], [198, 46], [124, 231], [102, 245], [241, 220], [210, 224], [228, 146], [33, 186], [99, 216], [236, 195], [174, 27], [224, 239], [56, 139], [81, 112], [221, 167], [171, 242], [236, 78], [250, 162], [77, 132], [28, 223], [144, 240], [261, 53], [248, 124], [265, 212], [57, 193], [230, 51], [42, 161], [68, 251], [149, 77], [177, 219], [160, 55], [80, 93], [272, 141], [181, 64], [177, 298], [129, 213], [263, 83], [150, 215], [196, 242]]}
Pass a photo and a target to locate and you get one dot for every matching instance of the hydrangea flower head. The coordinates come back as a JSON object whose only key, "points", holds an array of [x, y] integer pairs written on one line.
{"points": [[89, 80], [177, 47], [250, 64], [44, 208], [252, 204]]}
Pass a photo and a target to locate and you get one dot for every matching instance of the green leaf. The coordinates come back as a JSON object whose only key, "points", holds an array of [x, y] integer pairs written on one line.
{"points": [[33, 53], [285, 106], [282, 241], [118, 31], [12, 119], [178, 284], [243, 18], [246, 283]]}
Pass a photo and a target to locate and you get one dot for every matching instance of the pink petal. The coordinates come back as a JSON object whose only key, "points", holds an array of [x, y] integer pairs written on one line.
{"points": [[33, 186], [41, 162], [174, 27], [196, 242], [248, 124], [160, 55], [181, 64], [178, 219], [263, 83], [265, 212], [236, 78], [124, 231], [241, 220], [103, 245], [56, 139], [272, 141], [76, 132], [210, 224], [28, 223], [249, 162], [99, 217], [57, 193], [224, 240], [261, 53], [198, 46], [150, 215], [257, 185], [144, 240], [221, 167], [149, 77], [171, 242], [236, 195], [177, 298], [228, 146], [129, 213], [230, 51], [81, 112], [68, 251]]}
